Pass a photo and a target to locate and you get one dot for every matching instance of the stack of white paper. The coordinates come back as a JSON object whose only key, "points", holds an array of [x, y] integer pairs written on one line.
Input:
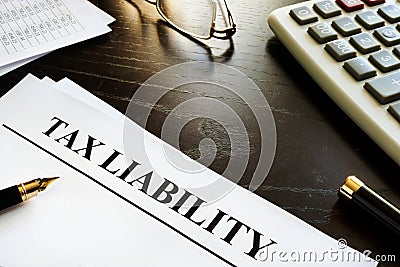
{"points": [[111, 209], [31, 28]]}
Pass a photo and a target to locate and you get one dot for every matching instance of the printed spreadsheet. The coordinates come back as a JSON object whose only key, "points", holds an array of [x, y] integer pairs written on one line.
{"points": [[29, 23]]}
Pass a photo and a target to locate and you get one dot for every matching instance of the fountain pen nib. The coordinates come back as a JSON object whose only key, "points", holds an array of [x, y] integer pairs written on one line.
{"points": [[45, 182]]}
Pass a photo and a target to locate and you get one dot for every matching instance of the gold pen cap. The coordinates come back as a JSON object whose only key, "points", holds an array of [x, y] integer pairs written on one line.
{"points": [[350, 186]]}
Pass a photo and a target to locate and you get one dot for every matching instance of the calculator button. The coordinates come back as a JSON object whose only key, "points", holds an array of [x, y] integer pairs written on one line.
{"points": [[346, 26], [365, 43], [374, 2], [340, 50], [350, 5], [303, 15], [385, 89], [322, 33], [370, 20], [360, 68], [390, 12], [385, 61], [388, 35], [395, 111], [327, 9], [396, 51]]}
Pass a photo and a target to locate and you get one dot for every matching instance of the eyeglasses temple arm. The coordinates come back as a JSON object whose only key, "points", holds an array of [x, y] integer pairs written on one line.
{"points": [[227, 32]]}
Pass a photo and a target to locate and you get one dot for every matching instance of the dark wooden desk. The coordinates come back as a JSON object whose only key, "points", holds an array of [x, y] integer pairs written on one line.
{"points": [[317, 144]]}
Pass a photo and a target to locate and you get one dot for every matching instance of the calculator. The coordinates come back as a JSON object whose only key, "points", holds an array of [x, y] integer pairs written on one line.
{"points": [[351, 48]]}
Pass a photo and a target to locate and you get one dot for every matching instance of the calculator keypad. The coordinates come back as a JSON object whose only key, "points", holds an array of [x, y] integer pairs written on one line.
{"points": [[364, 39]]}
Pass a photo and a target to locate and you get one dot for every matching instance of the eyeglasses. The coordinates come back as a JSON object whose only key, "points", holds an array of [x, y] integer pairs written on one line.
{"points": [[197, 18]]}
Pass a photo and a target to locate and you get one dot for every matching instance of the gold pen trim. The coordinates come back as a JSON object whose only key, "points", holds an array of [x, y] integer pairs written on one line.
{"points": [[32, 188], [22, 191], [29, 190], [350, 186]]}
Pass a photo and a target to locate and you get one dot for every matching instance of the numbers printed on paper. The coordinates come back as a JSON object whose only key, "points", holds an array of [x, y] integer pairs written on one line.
{"points": [[29, 23]]}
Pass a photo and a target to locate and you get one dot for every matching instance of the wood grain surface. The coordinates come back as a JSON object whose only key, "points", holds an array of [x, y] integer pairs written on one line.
{"points": [[318, 146]]}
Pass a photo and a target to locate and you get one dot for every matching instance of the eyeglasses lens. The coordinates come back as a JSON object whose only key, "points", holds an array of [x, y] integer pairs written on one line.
{"points": [[192, 17]]}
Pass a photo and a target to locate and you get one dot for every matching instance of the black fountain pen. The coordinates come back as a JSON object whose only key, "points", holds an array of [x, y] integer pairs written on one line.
{"points": [[19, 193], [356, 191]]}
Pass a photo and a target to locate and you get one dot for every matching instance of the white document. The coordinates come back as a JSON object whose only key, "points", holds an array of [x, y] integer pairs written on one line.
{"points": [[110, 210], [29, 28], [106, 20], [10, 67]]}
